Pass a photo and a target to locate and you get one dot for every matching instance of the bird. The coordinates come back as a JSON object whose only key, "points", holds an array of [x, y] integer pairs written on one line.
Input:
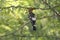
{"points": [[32, 18]]}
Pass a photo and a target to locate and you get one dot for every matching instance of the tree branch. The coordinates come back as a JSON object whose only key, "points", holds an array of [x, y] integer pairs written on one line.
{"points": [[53, 9]]}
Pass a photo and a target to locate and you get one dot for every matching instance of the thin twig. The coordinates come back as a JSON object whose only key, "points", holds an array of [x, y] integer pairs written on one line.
{"points": [[53, 9], [16, 30]]}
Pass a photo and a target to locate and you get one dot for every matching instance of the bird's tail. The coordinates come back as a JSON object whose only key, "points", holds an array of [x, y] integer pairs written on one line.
{"points": [[34, 27]]}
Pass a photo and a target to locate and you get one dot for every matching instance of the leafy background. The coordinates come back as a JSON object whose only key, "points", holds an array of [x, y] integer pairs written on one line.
{"points": [[14, 16]]}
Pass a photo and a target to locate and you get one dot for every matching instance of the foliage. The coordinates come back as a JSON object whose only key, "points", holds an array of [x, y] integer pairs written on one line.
{"points": [[14, 13]]}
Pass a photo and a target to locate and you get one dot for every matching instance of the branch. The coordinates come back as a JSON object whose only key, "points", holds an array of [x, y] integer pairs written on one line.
{"points": [[16, 30], [54, 10], [45, 17], [26, 7], [22, 7], [56, 5]]}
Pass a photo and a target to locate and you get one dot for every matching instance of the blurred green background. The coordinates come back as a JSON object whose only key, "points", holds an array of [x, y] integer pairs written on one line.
{"points": [[14, 18]]}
